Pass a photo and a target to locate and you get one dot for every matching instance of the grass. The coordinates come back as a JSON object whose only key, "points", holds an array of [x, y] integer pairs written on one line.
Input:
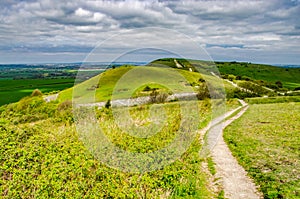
{"points": [[129, 81], [43, 157], [289, 77], [265, 140], [269, 100], [14, 90]]}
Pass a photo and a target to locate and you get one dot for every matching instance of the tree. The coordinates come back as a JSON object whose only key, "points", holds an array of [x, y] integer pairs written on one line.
{"points": [[279, 84], [108, 104], [203, 92]]}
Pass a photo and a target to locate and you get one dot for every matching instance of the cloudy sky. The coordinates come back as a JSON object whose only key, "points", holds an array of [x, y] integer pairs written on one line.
{"points": [[35, 31]]}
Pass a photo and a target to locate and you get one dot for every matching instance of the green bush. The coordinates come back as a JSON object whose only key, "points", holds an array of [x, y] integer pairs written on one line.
{"points": [[203, 92]]}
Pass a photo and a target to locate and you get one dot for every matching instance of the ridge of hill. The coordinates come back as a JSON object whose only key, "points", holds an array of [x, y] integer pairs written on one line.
{"points": [[289, 77]]}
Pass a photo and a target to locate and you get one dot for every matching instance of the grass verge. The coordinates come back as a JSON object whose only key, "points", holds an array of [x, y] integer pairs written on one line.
{"points": [[265, 141]]}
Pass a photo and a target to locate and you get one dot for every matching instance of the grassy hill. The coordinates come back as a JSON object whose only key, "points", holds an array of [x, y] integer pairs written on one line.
{"points": [[290, 77], [43, 156], [132, 82]]}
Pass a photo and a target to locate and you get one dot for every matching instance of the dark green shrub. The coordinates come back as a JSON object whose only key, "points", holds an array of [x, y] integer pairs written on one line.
{"points": [[147, 88], [297, 89], [279, 84], [203, 92], [108, 104]]}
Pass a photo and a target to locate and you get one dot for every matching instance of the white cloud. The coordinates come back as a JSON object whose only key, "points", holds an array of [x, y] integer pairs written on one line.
{"points": [[260, 26]]}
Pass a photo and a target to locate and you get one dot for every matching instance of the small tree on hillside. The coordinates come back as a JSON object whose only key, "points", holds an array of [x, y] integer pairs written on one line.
{"points": [[108, 104], [203, 92], [279, 84]]}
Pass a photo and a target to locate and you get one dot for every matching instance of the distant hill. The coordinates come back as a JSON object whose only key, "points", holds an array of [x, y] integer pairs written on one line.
{"points": [[290, 77]]}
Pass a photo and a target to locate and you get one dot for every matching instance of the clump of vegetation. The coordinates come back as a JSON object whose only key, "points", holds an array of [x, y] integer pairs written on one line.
{"points": [[65, 105], [36, 92], [203, 92], [147, 88], [158, 97], [107, 104], [211, 166]]}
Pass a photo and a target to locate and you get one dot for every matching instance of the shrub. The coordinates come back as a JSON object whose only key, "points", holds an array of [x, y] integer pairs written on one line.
{"points": [[297, 89], [203, 92], [231, 77], [64, 105], [107, 104], [246, 78], [36, 92], [147, 88], [158, 97], [279, 84]]}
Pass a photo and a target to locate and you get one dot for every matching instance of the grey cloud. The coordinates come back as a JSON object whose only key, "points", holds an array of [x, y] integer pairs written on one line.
{"points": [[55, 25]]}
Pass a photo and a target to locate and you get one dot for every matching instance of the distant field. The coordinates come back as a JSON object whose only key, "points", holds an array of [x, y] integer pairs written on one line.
{"points": [[14, 90], [266, 142]]}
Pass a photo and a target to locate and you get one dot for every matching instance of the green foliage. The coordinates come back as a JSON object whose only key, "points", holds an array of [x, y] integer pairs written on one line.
{"points": [[279, 84], [221, 195], [211, 166], [29, 109], [265, 141], [203, 92], [254, 88], [46, 159], [147, 88], [231, 77]]}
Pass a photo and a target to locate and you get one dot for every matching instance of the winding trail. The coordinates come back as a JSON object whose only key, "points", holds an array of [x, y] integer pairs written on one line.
{"points": [[233, 177]]}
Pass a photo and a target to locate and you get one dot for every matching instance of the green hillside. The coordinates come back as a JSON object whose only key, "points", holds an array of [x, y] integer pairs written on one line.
{"points": [[42, 156], [133, 80], [290, 77]]}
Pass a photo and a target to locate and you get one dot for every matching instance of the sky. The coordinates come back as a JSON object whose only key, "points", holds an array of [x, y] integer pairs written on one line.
{"points": [[49, 31]]}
